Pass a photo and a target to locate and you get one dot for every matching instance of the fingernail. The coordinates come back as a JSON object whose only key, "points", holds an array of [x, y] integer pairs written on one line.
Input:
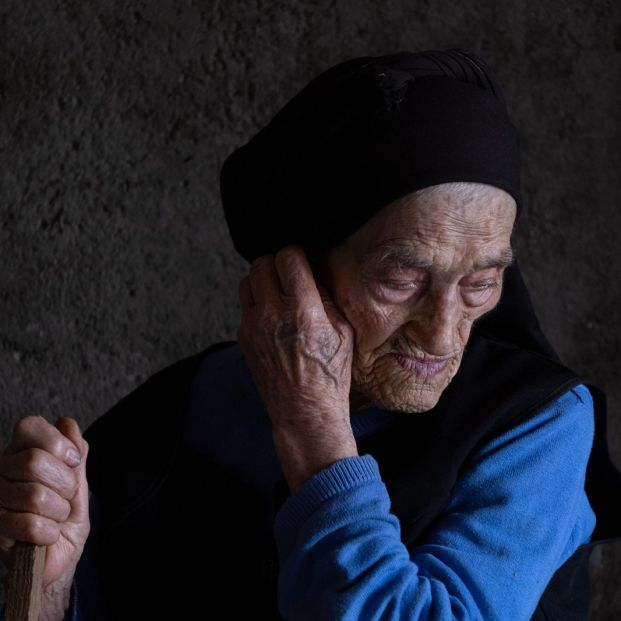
{"points": [[73, 457]]}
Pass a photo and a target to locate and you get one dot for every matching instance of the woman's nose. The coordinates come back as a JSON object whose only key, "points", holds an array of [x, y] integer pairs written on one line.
{"points": [[435, 327]]}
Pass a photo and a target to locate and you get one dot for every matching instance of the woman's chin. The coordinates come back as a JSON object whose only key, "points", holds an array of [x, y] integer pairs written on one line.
{"points": [[422, 401], [403, 387]]}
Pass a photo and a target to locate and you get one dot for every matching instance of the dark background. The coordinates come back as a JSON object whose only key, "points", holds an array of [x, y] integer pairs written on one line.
{"points": [[115, 120]]}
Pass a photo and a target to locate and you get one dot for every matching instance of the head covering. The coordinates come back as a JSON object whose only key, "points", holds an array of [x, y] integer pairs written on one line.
{"points": [[361, 135]]}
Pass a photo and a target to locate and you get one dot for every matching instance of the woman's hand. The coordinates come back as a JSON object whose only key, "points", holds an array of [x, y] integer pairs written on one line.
{"points": [[299, 349], [44, 500]]}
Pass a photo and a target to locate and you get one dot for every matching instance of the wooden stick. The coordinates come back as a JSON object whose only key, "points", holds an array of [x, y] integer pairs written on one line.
{"points": [[24, 582]]}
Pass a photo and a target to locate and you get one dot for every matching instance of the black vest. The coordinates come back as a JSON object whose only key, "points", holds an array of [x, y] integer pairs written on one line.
{"points": [[166, 550]]}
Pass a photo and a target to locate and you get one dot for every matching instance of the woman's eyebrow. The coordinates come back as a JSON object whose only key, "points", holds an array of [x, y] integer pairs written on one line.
{"points": [[396, 256], [402, 257], [502, 260]]}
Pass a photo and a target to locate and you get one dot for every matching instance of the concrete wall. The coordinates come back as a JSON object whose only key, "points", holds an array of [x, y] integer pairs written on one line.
{"points": [[116, 116]]}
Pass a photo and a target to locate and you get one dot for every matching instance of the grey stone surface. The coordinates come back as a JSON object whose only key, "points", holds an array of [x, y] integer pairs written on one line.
{"points": [[116, 116]]}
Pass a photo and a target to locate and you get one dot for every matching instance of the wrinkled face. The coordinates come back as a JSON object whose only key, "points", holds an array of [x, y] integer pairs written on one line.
{"points": [[412, 281]]}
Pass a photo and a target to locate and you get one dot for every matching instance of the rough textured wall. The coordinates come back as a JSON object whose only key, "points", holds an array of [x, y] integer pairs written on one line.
{"points": [[115, 119]]}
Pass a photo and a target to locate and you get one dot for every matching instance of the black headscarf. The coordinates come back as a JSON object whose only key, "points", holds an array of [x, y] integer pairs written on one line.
{"points": [[364, 133]]}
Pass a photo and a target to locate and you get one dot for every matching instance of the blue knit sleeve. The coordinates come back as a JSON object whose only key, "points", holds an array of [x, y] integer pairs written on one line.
{"points": [[518, 512]]}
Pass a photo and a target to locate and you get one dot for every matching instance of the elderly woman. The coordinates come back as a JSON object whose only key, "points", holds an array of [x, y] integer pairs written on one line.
{"points": [[391, 438]]}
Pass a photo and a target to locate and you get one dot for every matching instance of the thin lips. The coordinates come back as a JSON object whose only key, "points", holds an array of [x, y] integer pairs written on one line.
{"points": [[427, 368], [424, 359]]}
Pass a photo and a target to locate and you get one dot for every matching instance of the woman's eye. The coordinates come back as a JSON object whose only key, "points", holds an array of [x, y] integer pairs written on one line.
{"points": [[478, 293], [397, 290], [482, 286], [401, 285]]}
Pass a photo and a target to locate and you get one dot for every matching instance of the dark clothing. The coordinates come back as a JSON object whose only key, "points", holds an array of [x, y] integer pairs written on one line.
{"points": [[153, 525]]}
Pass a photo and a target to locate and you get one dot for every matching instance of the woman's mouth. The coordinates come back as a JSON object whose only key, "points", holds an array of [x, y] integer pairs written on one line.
{"points": [[425, 368]]}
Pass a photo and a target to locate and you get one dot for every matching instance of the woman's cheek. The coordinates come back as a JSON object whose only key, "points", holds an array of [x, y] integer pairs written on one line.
{"points": [[465, 326], [373, 322], [383, 320]]}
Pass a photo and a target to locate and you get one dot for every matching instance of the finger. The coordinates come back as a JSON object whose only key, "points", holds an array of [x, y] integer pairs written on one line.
{"points": [[28, 527], [264, 282], [245, 295], [296, 275], [334, 313], [79, 502], [38, 466], [70, 429], [33, 498], [36, 432], [328, 301]]}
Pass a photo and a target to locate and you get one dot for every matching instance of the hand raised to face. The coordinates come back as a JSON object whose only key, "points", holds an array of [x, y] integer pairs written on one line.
{"points": [[296, 343]]}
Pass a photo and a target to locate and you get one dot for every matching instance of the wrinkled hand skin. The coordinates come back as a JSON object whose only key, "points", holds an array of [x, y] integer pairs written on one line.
{"points": [[299, 350], [44, 500]]}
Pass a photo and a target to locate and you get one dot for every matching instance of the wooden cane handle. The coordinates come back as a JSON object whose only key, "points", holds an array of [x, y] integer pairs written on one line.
{"points": [[24, 582]]}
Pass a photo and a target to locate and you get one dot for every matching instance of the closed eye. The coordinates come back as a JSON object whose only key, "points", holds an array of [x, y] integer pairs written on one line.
{"points": [[402, 284], [396, 291], [479, 286], [479, 293]]}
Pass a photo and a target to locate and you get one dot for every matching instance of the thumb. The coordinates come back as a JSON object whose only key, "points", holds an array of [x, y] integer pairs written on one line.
{"points": [[79, 503]]}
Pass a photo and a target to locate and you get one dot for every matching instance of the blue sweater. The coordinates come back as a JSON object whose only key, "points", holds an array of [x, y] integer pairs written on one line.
{"points": [[518, 512]]}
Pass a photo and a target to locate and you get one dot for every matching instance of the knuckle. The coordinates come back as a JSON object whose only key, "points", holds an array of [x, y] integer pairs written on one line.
{"points": [[28, 424], [33, 528], [40, 530], [34, 459], [287, 258], [37, 498], [308, 318]]}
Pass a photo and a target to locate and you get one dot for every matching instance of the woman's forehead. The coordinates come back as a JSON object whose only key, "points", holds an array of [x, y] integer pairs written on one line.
{"points": [[411, 256], [442, 215]]}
